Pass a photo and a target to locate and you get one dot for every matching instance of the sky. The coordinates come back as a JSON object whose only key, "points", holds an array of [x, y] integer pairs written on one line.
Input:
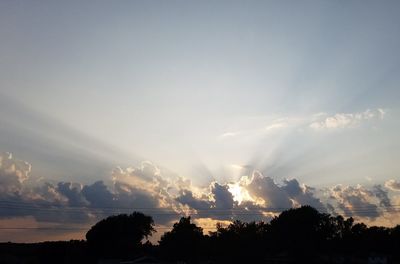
{"points": [[192, 107]]}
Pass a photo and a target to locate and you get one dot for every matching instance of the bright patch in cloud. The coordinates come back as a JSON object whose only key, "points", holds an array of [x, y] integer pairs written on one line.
{"points": [[239, 193]]}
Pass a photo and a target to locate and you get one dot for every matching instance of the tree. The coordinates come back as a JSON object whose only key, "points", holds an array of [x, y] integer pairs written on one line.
{"points": [[183, 241], [120, 235], [240, 241], [300, 230]]}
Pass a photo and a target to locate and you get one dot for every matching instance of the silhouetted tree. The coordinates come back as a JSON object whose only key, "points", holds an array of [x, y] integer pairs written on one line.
{"points": [[239, 240], [300, 235], [395, 241], [301, 230], [184, 242], [120, 235], [336, 234]]}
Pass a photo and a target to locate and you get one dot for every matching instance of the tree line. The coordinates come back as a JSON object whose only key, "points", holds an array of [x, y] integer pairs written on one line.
{"points": [[295, 236], [298, 233]]}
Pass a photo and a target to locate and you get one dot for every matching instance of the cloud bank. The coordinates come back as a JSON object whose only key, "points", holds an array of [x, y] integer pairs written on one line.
{"points": [[145, 188]]}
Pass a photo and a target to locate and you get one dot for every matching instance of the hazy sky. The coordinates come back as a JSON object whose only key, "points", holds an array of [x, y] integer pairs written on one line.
{"points": [[207, 90]]}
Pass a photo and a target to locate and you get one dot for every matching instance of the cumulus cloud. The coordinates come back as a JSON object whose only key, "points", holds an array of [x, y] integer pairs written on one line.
{"points": [[393, 185], [223, 198], [359, 201], [73, 193], [98, 195], [186, 197], [291, 193], [216, 202], [251, 198], [382, 196], [266, 190], [13, 173], [345, 120], [303, 194], [149, 189], [140, 187]]}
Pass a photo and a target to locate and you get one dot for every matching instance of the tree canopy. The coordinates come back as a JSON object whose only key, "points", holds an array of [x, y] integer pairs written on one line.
{"points": [[183, 241], [120, 235], [299, 234]]}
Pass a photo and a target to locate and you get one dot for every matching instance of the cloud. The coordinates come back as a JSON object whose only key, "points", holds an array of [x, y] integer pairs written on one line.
{"points": [[140, 187], [303, 194], [383, 196], [216, 202], [264, 188], [228, 134], [147, 179], [186, 197], [166, 197], [393, 185], [250, 198], [319, 122], [291, 193], [358, 201], [98, 195], [277, 125], [223, 198], [13, 173], [346, 120], [73, 193]]}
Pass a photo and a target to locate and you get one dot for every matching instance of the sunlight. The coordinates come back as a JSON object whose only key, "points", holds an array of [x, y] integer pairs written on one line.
{"points": [[239, 193]]}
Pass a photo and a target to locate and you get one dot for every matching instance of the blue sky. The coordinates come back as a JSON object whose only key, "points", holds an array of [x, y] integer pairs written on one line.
{"points": [[206, 90]]}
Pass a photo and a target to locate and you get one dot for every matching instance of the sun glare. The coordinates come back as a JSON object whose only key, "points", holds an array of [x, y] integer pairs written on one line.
{"points": [[239, 193]]}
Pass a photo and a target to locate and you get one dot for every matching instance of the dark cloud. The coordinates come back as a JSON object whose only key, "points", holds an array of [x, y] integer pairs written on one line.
{"points": [[223, 198], [218, 204], [382, 195], [186, 198], [128, 196], [73, 192], [98, 195], [292, 187], [303, 195], [265, 188], [356, 201]]}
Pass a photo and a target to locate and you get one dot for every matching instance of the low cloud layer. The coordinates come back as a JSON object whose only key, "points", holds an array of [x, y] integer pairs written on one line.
{"points": [[145, 188]]}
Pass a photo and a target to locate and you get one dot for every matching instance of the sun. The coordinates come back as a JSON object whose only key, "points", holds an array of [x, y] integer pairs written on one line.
{"points": [[239, 193]]}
